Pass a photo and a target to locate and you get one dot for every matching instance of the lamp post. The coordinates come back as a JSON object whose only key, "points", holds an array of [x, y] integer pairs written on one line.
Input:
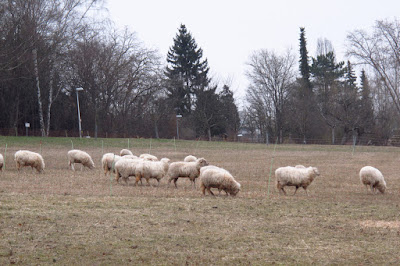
{"points": [[79, 112], [177, 125]]}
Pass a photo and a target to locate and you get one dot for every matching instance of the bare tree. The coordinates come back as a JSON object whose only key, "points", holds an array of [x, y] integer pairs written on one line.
{"points": [[381, 51], [271, 77]]}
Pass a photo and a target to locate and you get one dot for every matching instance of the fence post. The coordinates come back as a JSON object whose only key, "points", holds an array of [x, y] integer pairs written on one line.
{"points": [[270, 169], [5, 157]]}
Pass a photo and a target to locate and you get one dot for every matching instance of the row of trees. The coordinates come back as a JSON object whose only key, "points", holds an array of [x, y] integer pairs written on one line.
{"points": [[48, 48], [325, 101]]}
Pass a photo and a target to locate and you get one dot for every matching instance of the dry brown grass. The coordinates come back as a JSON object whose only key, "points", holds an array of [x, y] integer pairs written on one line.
{"points": [[86, 218]]}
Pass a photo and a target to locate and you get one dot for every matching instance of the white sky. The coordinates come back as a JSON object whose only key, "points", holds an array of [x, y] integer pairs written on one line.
{"points": [[229, 31]]}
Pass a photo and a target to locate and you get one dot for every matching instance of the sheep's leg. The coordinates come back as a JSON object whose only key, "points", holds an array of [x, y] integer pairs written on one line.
{"points": [[209, 191], [306, 190], [138, 177], [284, 192], [175, 180], [148, 182], [203, 189], [295, 190]]}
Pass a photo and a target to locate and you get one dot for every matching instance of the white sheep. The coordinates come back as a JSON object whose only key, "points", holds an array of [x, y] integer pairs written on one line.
{"points": [[1, 162], [189, 170], [148, 157], [78, 156], [29, 158], [125, 168], [300, 166], [152, 169], [216, 177], [128, 156], [190, 158], [295, 176], [125, 152], [372, 177], [107, 161]]}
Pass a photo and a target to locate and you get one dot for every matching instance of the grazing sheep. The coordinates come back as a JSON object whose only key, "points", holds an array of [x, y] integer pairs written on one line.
{"points": [[107, 161], [370, 176], [148, 157], [300, 166], [29, 158], [151, 169], [1, 162], [190, 158], [189, 170], [125, 168], [125, 152], [216, 177], [78, 156], [292, 176]]}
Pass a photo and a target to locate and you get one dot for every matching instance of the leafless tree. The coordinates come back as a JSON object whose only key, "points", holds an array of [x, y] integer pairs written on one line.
{"points": [[381, 51], [271, 77]]}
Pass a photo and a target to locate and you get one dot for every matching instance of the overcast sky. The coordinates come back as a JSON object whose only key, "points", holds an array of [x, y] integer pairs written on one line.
{"points": [[229, 31]]}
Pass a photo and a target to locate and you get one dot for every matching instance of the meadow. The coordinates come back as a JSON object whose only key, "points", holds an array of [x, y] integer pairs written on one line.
{"points": [[86, 218]]}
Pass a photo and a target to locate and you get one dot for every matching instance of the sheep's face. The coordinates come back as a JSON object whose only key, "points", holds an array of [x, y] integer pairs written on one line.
{"points": [[165, 160], [202, 162], [315, 169]]}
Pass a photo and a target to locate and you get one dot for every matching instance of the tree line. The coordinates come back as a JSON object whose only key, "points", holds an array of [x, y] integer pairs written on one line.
{"points": [[49, 48], [324, 98]]}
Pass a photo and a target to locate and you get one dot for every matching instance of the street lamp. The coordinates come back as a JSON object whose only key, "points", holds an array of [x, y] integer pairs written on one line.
{"points": [[177, 125], [79, 112]]}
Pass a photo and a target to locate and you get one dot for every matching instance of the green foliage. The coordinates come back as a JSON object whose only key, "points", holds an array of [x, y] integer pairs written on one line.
{"points": [[187, 73]]}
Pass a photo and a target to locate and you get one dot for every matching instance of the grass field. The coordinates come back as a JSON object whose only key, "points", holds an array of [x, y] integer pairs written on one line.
{"points": [[86, 218]]}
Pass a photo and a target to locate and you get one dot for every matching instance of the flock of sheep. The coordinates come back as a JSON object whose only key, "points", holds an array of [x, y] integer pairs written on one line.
{"points": [[147, 166]]}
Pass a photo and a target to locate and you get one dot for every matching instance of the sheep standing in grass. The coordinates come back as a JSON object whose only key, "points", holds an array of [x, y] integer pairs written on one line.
{"points": [[29, 158], [78, 156], [372, 177], [295, 176], [190, 158], [125, 152], [148, 157], [107, 161], [151, 169], [189, 170], [1, 162], [125, 168], [216, 177]]}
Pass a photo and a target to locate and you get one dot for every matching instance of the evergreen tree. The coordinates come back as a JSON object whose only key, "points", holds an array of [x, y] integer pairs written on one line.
{"points": [[230, 112], [304, 62], [187, 73]]}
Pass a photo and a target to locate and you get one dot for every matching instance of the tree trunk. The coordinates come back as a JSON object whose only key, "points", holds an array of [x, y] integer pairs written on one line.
{"points": [[333, 135], [156, 129], [209, 133], [36, 70], [50, 102]]}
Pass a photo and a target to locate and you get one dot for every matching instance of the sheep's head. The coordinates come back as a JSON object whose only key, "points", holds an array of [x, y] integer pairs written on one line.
{"points": [[202, 162], [165, 160], [235, 190], [381, 187], [316, 172]]}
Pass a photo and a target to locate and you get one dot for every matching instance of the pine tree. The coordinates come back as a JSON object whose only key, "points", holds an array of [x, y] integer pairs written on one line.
{"points": [[304, 62], [230, 112], [187, 73]]}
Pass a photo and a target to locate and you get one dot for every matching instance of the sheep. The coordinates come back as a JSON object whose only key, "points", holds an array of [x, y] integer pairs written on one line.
{"points": [[107, 161], [216, 177], [128, 156], [150, 169], [190, 170], [29, 158], [125, 168], [300, 166], [78, 156], [292, 176], [370, 176], [1, 162], [125, 152], [148, 157], [190, 158]]}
